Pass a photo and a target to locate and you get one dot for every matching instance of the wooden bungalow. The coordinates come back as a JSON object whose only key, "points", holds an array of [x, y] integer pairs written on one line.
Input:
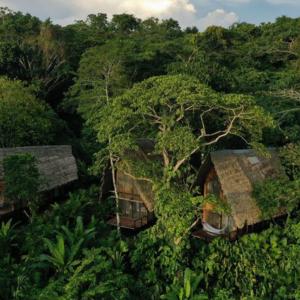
{"points": [[231, 176], [56, 165], [136, 199]]}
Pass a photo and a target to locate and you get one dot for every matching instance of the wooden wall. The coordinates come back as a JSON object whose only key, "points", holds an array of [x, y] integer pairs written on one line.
{"points": [[126, 187], [212, 186]]}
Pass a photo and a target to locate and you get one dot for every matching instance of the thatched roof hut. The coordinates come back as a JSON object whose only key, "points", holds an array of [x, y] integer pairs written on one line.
{"points": [[131, 183], [56, 165], [135, 193], [231, 175]]}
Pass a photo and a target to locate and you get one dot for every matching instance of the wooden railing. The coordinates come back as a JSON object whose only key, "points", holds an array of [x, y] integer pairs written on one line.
{"points": [[132, 218]]}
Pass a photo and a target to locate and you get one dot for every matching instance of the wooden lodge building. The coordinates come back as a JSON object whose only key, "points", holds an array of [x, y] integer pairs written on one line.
{"points": [[56, 165], [231, 176], [228, 174], [135, 202], [136, 199]]}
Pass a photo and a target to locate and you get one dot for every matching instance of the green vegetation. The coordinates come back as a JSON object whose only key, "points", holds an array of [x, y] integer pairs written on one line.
{"points": [[103, 85], [24, 120], [22, 180], [273, 195]]}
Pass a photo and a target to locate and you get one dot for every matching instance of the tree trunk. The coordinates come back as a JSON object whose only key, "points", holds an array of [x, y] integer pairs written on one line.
{"points": [[112, 163], [113, 171], [102, 182]]}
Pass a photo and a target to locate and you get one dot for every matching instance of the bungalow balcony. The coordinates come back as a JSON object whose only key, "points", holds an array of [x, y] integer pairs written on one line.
{"points": [[132, 212]]}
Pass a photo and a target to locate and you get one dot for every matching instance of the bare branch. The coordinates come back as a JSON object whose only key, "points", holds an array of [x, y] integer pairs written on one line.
{"points": [[166, 158], [183, 160], [225, 132], [137, 178], [178, 240]]}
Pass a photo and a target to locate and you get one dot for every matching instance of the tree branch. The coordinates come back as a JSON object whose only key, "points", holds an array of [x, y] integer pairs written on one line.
{"points": [[137, 178]]}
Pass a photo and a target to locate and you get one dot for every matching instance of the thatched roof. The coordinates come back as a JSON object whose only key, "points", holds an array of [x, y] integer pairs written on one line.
{"points": [[56, 164], [238, 171]]}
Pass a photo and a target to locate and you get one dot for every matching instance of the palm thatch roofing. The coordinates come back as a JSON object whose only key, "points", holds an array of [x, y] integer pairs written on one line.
{"points": [[56, 164], [238, 171]]}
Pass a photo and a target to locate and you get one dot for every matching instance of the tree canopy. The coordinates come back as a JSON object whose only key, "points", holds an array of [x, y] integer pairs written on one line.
{"points": [[24, 120], [182, 116], [107, 84]]}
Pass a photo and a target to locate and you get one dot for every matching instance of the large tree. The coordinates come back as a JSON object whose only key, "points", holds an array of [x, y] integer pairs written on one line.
{"points": [[183, 117], [23, 119]]}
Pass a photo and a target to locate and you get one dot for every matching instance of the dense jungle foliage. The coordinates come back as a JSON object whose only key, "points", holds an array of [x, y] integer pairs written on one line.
{"points": [[100, 85]]}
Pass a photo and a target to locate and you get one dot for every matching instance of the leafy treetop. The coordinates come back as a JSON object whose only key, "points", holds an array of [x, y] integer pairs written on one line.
{"points": [[23, 119], [181, 115]]}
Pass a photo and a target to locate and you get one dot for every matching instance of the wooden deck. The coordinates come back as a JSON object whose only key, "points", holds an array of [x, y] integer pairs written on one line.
{"points": [[203, 235], [6, 210], [129, 223]]}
